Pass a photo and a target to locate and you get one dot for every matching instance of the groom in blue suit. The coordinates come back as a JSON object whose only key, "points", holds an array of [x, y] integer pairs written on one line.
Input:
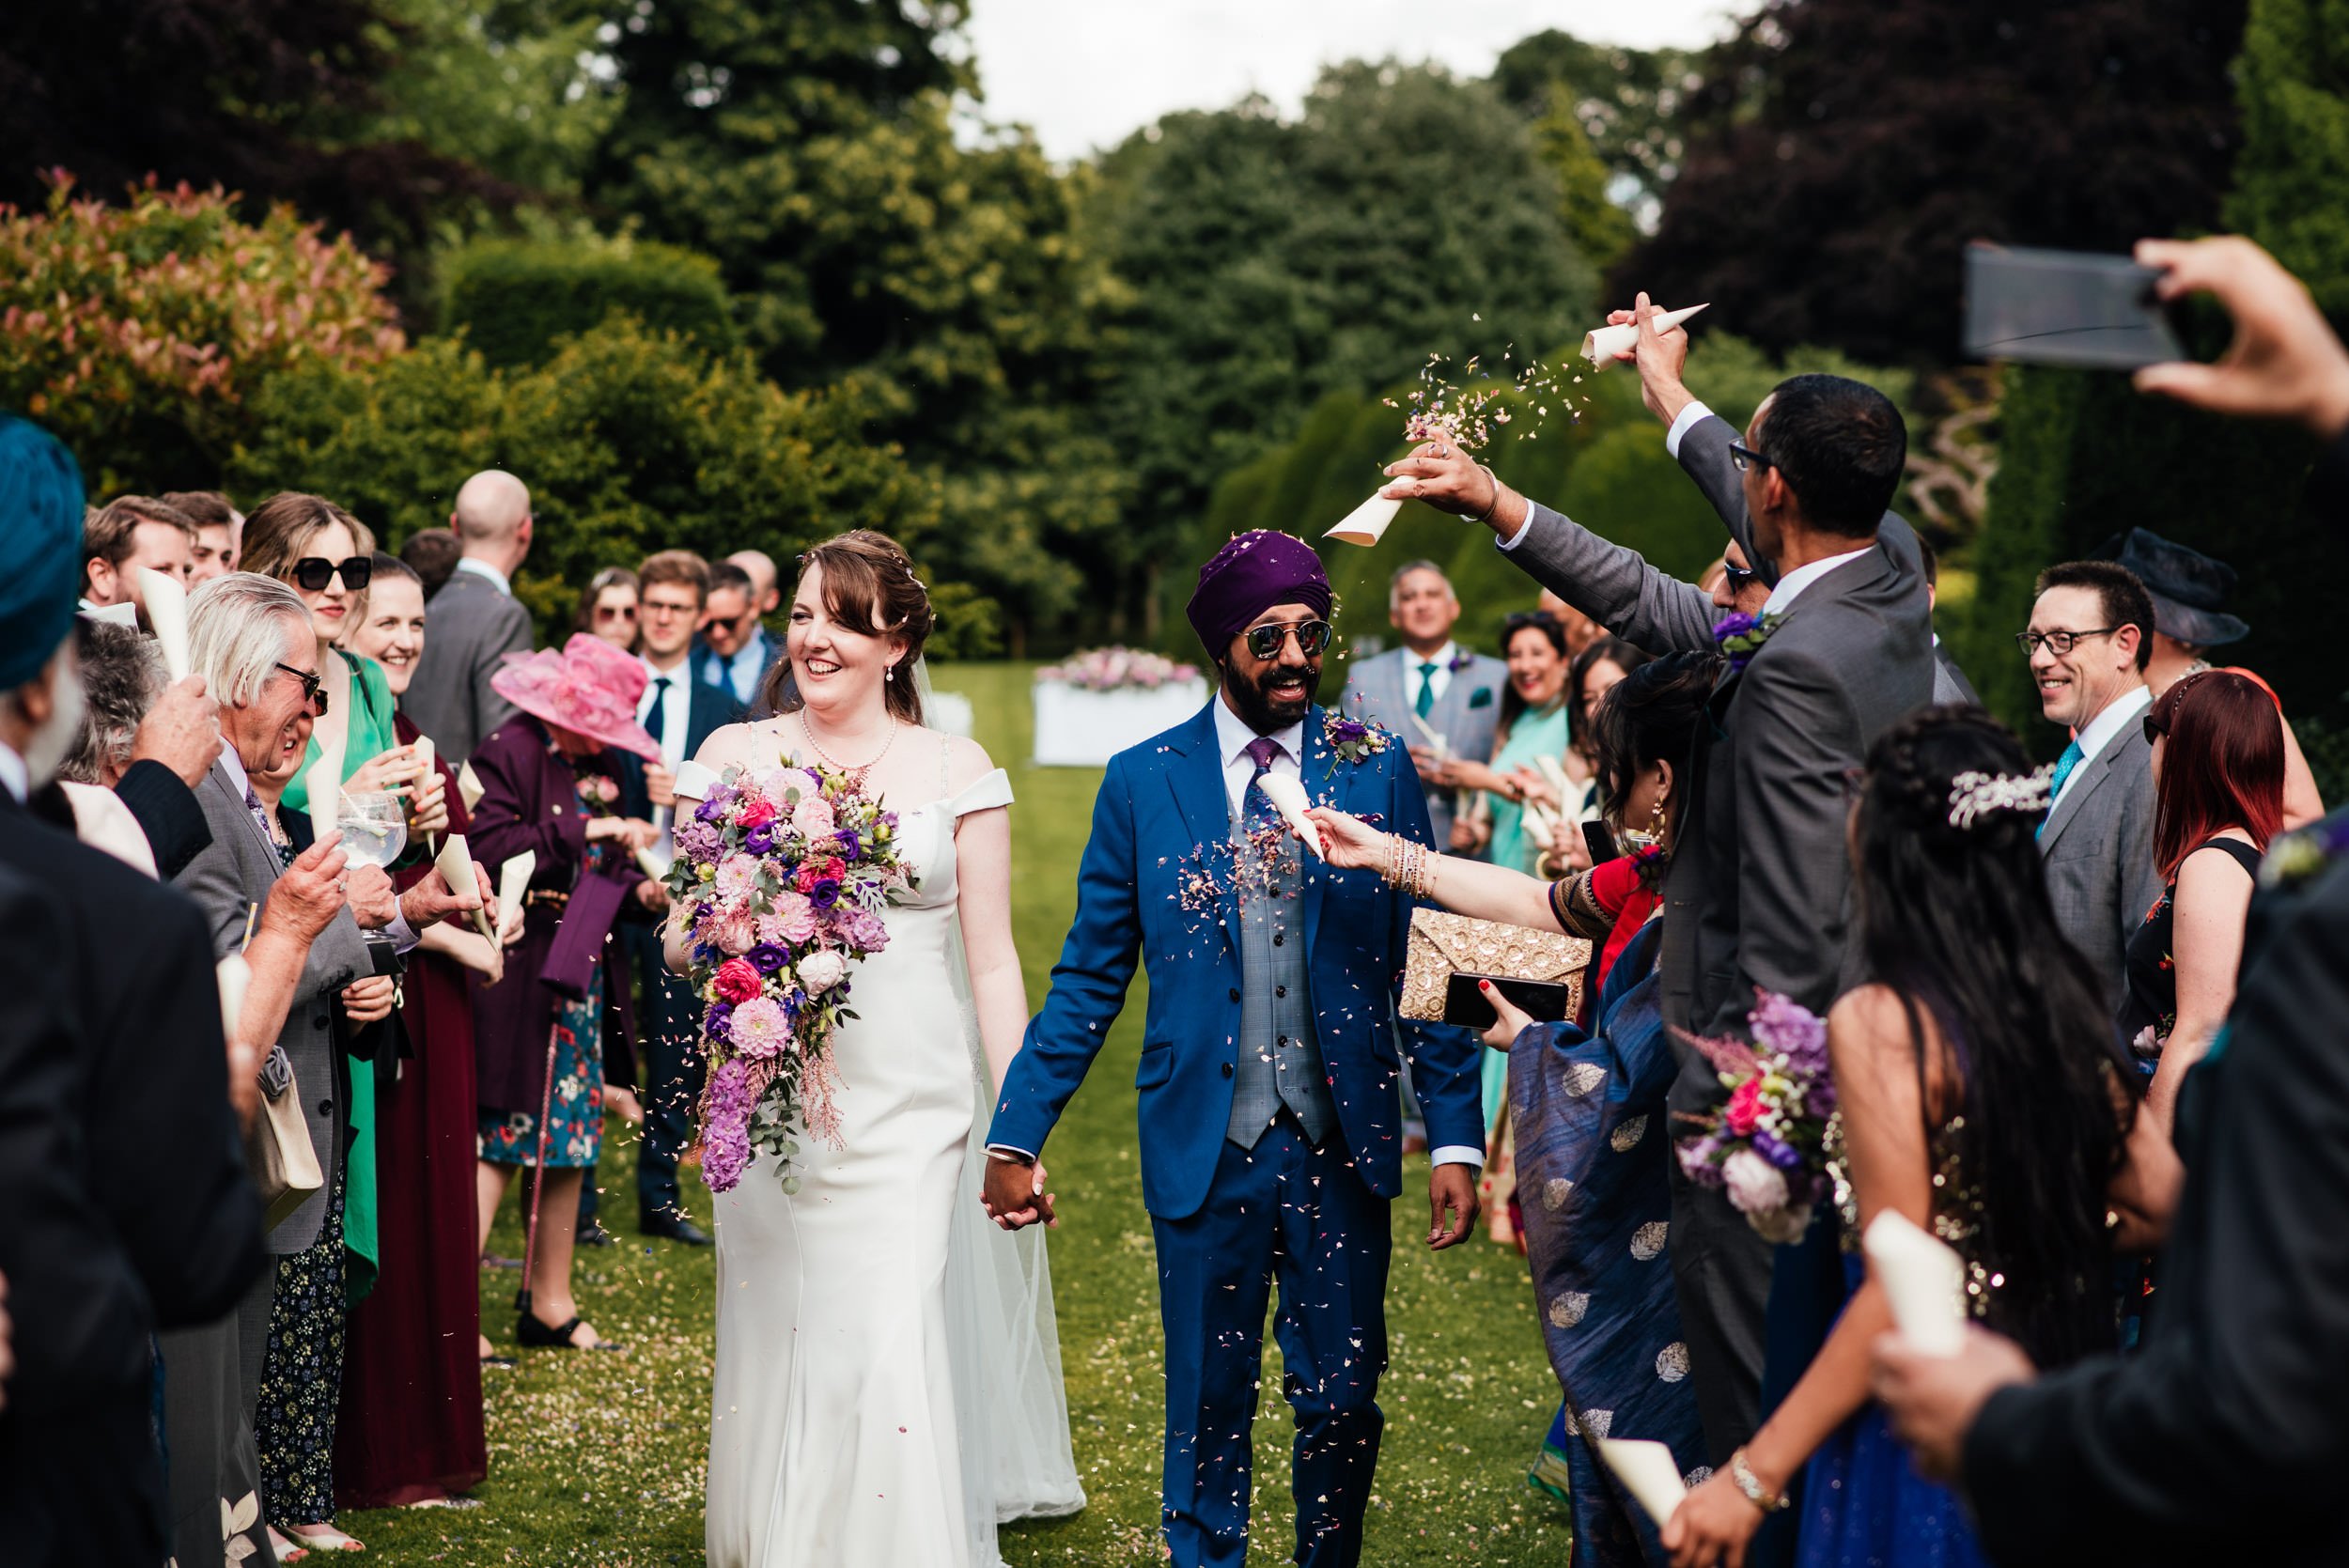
{"points": [[1271, 1131]]}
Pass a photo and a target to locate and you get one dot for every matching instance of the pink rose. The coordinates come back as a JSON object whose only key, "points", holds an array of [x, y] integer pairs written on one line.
{"points": [[736, 982], [736, 932], [1745, 1107], [813, 817], [758, 809]]}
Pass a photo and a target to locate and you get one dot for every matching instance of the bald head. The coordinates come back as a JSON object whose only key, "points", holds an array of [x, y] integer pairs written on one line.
{"points": [[492, 518], [761, 569]]}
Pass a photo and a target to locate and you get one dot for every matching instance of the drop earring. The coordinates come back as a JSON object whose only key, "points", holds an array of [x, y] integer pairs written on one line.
{"points": [[889, 672]]}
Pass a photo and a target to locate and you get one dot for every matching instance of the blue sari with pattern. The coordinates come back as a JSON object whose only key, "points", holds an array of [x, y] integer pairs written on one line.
{"points": [[1592, 1152]]}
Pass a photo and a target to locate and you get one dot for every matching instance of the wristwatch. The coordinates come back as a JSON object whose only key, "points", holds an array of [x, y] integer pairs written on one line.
{"points": [[1755, 1492]]}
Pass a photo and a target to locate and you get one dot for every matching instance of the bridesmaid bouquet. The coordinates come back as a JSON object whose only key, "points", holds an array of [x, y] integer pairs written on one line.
{"points": [[1768, 1145], [782, 879]]}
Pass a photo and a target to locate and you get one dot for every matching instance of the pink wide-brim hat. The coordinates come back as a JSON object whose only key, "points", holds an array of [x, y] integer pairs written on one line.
{"points": [[590, 686]]}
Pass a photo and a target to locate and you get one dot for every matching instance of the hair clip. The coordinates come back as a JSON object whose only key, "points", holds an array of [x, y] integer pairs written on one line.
{"points": [[1973, 795]]}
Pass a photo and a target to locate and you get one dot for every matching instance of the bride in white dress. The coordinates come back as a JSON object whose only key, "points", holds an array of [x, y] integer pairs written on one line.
{"points": [[888, 1384]]}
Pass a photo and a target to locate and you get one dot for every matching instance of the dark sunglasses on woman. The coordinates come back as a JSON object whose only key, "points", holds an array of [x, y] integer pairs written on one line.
{"points": [[313, 572]]}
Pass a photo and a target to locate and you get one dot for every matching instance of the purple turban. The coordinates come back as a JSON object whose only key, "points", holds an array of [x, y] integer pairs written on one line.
{"points": [[1249, 576]]}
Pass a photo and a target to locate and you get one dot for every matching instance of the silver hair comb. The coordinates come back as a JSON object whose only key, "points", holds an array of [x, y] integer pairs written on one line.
{"points": [[1972, 795]]}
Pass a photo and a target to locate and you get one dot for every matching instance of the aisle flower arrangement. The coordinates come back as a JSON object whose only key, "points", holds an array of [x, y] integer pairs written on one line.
{"points": [[1118, 669], [1767, 1146], [782, 879]]}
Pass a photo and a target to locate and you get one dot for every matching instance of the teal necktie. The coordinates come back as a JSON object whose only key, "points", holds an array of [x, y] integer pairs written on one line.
{"points": [[2070, 758], [1426, 703]]}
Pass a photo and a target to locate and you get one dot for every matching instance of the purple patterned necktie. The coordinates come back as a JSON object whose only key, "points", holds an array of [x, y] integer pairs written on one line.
{"points": [[1256, 807]]}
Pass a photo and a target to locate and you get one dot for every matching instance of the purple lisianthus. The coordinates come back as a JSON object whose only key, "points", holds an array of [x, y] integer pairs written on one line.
{"points": [[766, 958], [708, 811], [850, 846], [1777, 1150], [760, 840], [1349, 729], [825, 893], [1735, 623], [717, 1023]]}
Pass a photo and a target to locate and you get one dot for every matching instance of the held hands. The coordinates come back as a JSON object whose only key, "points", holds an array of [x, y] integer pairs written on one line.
{"points": [[308, 895], [1014, 1196], [2284, 362], [369, 1000], [1714, 1523], [1933, 1400], [182, 731]]}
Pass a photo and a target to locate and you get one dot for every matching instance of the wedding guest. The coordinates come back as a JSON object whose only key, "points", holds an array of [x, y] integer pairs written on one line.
{"points": [[128, 533], [1758, 890], [121, 674], [216, 527], [680, 712], [252, 640], [608, 608], [1950, 685], [1976, 1097], [478, 621], [1429, 683], [432, 555], [2177, 1455], [536, 1037], [1597, 1210], [2188, 590], [175, 746], [2219, 771], [1597, 670], [1532, 723], [735, 651], [124, 1208], [409, 1430], [2088, 641]]}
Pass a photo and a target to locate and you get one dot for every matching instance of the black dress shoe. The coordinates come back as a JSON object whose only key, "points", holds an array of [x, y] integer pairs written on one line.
{"points": [[675, 1229], [594, 1235]]}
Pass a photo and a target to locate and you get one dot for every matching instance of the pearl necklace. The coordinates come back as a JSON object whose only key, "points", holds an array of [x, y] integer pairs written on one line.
{"points": [[855, 775]]}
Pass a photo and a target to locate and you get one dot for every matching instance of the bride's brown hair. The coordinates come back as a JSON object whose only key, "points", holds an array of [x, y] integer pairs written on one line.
{"points": [[869, 586]]}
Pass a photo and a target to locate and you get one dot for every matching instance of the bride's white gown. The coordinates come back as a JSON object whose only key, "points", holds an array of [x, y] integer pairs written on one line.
{"points": [[888, 1381]]}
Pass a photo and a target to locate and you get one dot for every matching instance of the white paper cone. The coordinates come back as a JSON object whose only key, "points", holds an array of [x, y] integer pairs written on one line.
{"points": [[1601, 347], [650, 863], [1437, 741], [1289, 796], [469, 787], [1366, 524], [235, 975], [1556, 773], [1540, 827], [1923, 1279], [167, 613], [324, 781], [427, 754], [455, 862], [514, 880], [1647, 1472]]}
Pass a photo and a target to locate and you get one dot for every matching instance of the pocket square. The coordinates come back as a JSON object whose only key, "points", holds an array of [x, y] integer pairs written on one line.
{"points": [[1481, 697]]}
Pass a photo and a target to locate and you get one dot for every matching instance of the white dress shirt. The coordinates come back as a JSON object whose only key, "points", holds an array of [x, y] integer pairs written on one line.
{"points": [[676, 713], [1438, 683], [15, 777], [2117, 715], [1790, 587], [483, 568]]}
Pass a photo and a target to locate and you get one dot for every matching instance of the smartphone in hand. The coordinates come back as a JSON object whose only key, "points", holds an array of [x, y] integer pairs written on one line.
{"points": [[2065, 308]]}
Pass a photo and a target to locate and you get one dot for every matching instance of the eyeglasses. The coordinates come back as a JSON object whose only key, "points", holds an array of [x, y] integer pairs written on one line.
{"points": [[313, 572], [313, 689], [1747, 458], [2057, 643], [656, 607], [1266, 642], [1737, 577]]}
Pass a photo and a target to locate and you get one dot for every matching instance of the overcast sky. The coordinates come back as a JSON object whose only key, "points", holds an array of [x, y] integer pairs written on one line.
{"points": [[1085, 72]]}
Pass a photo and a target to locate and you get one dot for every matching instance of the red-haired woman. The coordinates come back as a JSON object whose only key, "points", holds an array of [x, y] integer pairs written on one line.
{"points": [[2219, 771]]}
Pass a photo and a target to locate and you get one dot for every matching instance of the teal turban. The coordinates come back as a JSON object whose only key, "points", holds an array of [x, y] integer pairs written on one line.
{"points": [[40, 548]]}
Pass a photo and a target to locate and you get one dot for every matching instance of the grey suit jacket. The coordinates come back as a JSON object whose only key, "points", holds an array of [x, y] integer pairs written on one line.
{"points": [[1949, 684], [232, 874], [469, 626], [2098, 849], [1384, 688]]}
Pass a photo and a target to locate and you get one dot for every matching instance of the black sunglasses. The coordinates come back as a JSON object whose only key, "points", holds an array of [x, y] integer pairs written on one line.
{"points": [[313, 572], [313, 689], [1745, 457], [1264, 642], [1738, 576]]}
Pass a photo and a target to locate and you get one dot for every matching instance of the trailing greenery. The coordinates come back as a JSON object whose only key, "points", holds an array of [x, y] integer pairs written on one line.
{"points": [[514, 299]]}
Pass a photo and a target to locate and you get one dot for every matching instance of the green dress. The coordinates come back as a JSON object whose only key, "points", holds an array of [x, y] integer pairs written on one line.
{"points": [[371, 735], [1535, 734]]}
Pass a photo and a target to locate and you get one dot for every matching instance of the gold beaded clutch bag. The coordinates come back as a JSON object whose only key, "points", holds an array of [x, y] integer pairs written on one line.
{"points": [[1540, 971]]}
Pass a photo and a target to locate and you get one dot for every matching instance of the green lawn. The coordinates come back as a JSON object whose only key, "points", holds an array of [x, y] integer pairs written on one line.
{"points": [[598, 1459]]}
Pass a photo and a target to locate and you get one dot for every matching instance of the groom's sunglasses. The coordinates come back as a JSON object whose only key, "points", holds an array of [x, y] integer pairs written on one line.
{"points": [[313, 573], [1264, 641]]}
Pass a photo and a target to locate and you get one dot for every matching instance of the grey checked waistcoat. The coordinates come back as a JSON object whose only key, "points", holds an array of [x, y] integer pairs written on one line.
{"points": [[1279, 1061]]}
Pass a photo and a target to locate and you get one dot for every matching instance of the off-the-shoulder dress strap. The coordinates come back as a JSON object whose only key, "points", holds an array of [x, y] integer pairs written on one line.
{"points": [[984, 793]]}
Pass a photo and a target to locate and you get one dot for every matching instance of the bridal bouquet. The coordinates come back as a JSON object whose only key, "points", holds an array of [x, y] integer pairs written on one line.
{"points": [[1768, 1145], [781, 879]]}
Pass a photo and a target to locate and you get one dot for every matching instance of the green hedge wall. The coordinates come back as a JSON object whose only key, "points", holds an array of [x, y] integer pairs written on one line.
{"points": [[514, 299]]}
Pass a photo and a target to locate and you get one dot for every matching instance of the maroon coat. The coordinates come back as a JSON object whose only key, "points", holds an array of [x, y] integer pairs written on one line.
{"points": [[530, 800]]}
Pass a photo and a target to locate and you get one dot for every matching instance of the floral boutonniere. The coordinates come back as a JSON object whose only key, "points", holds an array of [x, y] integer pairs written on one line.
{"points": [[1352, 739], [1741, 636], [599, 793], [2301, 857], [1461, 660]]}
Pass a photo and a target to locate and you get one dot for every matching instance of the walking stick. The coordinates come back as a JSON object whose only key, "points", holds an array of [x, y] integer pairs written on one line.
{"points": [[539, 1181]]}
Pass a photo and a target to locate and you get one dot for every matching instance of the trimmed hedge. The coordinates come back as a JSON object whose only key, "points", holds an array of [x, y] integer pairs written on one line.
{"points": [[515, 299]]}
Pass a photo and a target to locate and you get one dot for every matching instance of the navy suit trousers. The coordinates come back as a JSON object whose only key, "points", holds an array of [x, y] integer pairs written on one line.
{"points": [[1281, 1212], [671, 1074]]}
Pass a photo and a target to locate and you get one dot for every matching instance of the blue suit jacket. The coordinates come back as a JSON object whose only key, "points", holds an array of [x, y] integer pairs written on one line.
{"points": [[1160, 814]]}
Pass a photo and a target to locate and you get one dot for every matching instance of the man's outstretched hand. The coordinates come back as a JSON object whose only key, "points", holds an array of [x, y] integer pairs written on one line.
{"points": [[1451, 1187], [1014, 1194]]}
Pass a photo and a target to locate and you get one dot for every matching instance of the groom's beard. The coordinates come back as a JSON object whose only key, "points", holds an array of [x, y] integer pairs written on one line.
{"points": [[1261, 712]]}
